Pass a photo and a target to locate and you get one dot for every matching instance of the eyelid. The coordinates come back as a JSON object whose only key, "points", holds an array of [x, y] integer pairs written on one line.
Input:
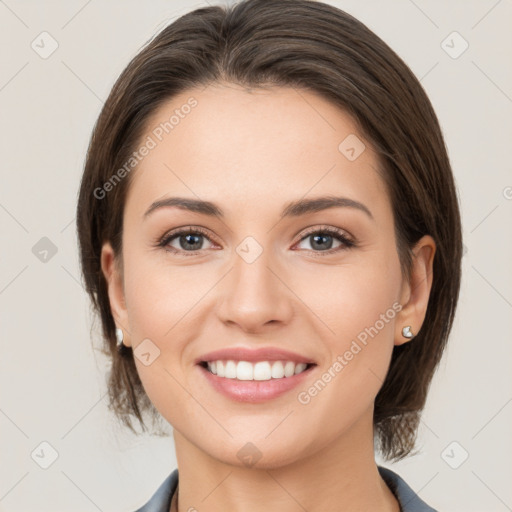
{"points": [[347, 241], [165, 239], [325, 228]]}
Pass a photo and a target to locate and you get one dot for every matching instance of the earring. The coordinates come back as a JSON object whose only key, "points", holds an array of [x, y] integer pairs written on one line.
{"points": [[406, 332], [120, 337]]}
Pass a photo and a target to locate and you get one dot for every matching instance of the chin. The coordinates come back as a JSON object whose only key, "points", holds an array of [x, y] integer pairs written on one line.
{"points": [[256, 455]]}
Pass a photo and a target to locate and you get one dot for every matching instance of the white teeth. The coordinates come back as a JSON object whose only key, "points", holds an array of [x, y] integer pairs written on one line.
{"points": [[244, 371], [262, 370], [230, 370], [300, 368], [277, 370], [289, 369]]}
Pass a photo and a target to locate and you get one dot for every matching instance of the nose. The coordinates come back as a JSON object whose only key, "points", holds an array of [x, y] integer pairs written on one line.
{"points": [[254, 295]]}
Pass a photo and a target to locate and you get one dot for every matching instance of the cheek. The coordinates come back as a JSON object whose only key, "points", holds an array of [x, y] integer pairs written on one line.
{"points": [[162, 297], [164, 303], [351, 297], [356, 308], [160, 304]]}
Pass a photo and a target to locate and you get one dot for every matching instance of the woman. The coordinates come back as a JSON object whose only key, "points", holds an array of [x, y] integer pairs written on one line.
{"points": [[270, 232]]}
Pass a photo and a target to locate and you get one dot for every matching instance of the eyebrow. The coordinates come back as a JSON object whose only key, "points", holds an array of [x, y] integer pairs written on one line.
{"points": [[293, 209]]}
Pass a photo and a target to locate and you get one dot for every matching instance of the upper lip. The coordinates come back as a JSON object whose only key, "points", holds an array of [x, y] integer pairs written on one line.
{"points": [[254, 355]]}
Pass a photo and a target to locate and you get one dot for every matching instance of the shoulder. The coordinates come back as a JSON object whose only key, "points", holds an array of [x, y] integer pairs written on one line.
{"points": [[161, 499], [409, 501]]}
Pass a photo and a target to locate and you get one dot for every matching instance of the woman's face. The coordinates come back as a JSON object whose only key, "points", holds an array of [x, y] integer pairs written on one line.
{"points": [[254, 278]]}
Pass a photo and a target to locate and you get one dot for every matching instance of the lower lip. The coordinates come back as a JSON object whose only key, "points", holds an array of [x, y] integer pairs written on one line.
{"points": [[254, 390]]}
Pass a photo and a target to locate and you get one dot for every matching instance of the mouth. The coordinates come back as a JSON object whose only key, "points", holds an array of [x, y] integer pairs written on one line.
{"points": [[253, 375], [254, 382], [255, 371]]}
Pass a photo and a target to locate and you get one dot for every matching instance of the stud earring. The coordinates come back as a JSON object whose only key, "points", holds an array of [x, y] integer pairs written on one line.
{"points": [[406, 332], [120, 337]]}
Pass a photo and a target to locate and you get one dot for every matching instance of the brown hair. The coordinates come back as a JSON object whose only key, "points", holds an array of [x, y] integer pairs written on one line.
{"points": [[316, 47]]}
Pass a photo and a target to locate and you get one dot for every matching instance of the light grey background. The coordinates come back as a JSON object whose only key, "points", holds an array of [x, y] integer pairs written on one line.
{"points": [[51, 380]]}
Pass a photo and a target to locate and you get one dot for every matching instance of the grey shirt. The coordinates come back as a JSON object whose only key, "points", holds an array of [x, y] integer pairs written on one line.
{"points": [[409, 501]]}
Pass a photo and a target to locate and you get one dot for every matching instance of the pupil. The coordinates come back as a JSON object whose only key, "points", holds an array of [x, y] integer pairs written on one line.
{"points": [[317, 237], [189, 243]]}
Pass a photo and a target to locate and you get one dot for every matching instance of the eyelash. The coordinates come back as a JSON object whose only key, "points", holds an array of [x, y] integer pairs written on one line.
{"points": [[335, 232]]}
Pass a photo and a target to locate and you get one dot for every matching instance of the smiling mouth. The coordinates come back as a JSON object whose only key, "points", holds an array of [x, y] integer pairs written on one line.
{"points": [[258, 371]]}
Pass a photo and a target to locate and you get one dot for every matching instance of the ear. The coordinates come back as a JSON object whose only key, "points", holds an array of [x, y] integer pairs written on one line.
{"points": [[113, 275], [416, 292]]}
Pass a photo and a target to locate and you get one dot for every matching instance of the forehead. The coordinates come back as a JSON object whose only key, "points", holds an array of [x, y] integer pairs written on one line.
{"points": [[255, 148]]}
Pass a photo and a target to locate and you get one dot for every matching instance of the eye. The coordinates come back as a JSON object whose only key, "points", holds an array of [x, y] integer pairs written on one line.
{"points": [[321, 240], [188, 240]]}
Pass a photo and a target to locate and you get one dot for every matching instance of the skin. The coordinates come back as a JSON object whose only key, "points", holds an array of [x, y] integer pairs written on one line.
{"points": [[251, 152]]}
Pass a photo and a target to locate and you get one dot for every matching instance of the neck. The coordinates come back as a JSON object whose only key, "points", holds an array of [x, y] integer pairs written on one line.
{"points": [[342, 476]]}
